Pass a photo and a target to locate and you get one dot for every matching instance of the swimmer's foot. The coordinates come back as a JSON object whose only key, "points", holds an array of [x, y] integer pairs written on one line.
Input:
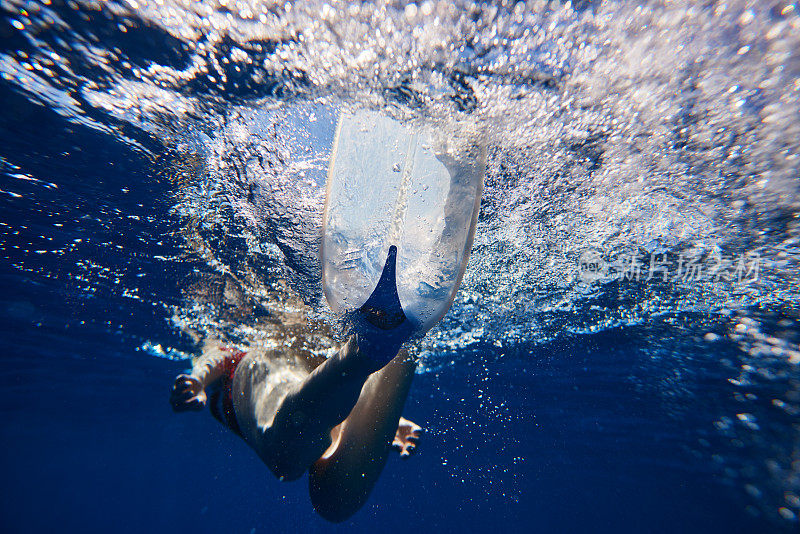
{"points": [[405, 441], [383, 309], [381, 324]]}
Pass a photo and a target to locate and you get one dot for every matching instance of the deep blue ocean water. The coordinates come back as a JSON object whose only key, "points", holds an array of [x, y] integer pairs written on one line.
{"points": [[91, 446], [634, 423]]}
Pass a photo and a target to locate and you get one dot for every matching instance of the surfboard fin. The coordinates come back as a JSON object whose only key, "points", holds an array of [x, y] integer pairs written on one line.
{"points": [[383, 309]]}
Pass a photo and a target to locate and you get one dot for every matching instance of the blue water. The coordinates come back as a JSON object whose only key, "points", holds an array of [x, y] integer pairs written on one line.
{"points": [[549, 405], [91, 445]]}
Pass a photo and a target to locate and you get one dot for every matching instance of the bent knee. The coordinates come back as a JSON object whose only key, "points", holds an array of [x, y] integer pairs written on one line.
{"points": [[289, 460], [333, 502], [285, 469]]}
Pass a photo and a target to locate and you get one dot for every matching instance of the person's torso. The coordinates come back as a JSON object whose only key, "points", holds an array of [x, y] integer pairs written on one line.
{"points": [[260, 383]]}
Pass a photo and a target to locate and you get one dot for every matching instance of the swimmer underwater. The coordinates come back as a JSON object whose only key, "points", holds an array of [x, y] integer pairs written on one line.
{"points": [[339, 421]]}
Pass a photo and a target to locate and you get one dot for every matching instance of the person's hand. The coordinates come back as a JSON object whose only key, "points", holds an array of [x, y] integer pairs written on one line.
{"points": [[187, 394], [405, 441]]}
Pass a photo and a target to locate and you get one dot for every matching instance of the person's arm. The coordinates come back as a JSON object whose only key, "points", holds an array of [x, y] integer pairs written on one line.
{"points": [[209, 367], [188, 392]]}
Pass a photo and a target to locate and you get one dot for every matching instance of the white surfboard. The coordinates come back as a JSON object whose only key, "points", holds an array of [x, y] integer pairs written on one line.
{"points": [[417, 188]]}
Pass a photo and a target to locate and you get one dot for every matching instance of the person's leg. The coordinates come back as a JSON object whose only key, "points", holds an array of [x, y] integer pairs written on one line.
{"points": [[341, 480], [300, 431]]}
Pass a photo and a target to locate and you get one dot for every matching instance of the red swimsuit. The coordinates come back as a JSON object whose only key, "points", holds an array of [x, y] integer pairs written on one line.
{"points": [[220, 401]]}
